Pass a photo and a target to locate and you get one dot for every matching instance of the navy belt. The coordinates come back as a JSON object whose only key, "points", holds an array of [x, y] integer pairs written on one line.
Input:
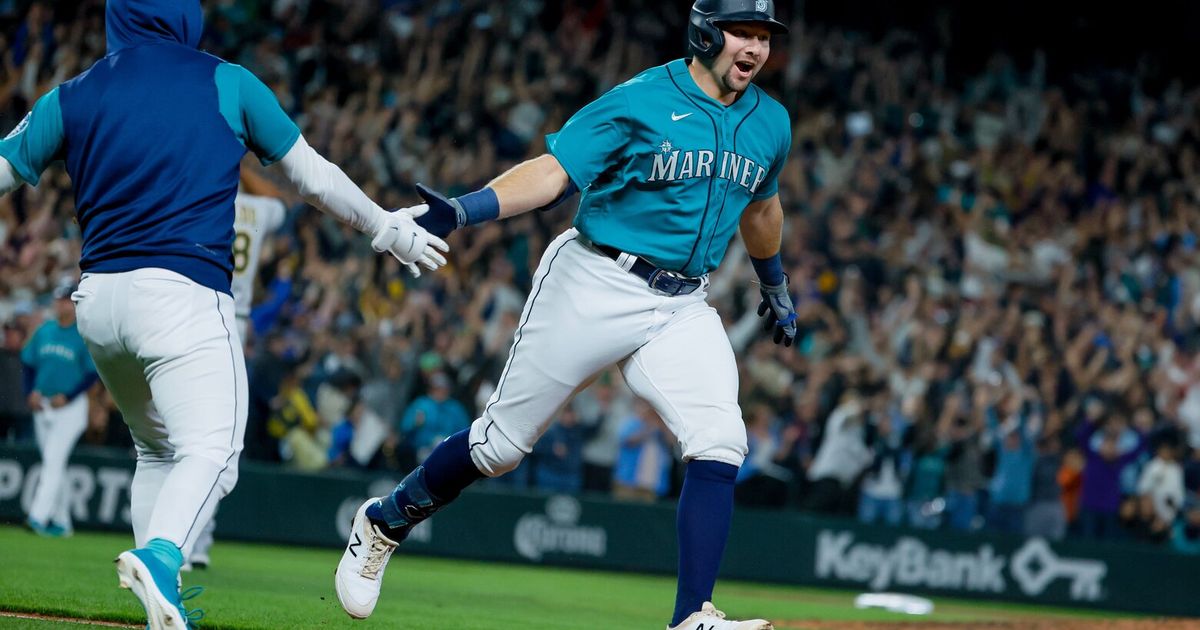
{"points": [[662, 280]]}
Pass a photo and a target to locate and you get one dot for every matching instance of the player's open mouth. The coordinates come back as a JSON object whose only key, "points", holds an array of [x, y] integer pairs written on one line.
{"points": [[745, 68]]}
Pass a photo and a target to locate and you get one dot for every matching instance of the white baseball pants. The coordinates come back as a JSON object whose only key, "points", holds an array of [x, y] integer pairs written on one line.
{"points": [[168, 351], [56, 431], [585, 313], [199, 550]]}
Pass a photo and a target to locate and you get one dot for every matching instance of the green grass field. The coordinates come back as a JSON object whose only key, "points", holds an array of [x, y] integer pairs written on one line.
{"points": [[268, 587]]}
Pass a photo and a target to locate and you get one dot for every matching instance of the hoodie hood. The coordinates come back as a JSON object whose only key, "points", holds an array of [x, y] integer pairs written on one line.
{"points": [[130, 23]]}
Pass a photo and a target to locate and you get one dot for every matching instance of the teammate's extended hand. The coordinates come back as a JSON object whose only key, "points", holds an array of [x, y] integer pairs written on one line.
{"points": [[402, 237], [778, 303], [445, 214]]}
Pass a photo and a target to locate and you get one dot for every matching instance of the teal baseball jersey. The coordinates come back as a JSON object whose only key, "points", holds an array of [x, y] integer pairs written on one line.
{"points": [[666, 170], [60, 358]]}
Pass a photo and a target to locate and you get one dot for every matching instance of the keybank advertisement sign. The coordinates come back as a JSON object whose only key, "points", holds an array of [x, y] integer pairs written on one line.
{"points": [[912, 563]]}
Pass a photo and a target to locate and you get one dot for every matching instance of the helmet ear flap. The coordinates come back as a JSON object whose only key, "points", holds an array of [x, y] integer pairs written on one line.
{"points": [[705, 39]]}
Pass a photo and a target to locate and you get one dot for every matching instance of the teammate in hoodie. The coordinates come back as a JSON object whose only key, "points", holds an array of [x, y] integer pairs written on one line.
{"points": [[152, 136]]}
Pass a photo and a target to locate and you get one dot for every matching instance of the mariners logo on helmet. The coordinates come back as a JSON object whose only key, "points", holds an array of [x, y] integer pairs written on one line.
{"points": [[705, 37]]}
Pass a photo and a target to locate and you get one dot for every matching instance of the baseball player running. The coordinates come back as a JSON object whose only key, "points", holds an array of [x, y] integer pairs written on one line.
{"points": [[153, 135], [669, 163], [58, 373]]}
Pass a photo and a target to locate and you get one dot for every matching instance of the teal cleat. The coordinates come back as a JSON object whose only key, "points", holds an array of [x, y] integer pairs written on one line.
{"points": [[140, 571], [35, 527], [54, 530]]}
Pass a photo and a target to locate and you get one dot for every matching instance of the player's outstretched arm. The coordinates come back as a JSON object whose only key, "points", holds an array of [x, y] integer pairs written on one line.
{"points": [[762, 230], [326, 187], [263, 126], [537, 184]]}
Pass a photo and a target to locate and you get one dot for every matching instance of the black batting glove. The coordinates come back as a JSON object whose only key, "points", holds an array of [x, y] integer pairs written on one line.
{"points": [[782, 318]]}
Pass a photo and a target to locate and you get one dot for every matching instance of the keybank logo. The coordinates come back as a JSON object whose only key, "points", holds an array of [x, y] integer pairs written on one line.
{"points": [[913, 563], [558, 531]]}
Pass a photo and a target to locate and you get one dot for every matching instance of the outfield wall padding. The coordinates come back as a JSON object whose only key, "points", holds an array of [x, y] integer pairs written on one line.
{"points": [[492, 523]]}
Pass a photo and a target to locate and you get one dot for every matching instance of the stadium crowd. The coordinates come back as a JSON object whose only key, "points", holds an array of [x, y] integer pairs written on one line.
{"points": [[997, 276]]}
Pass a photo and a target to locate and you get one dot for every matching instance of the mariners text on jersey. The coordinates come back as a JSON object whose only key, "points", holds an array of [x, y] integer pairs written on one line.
{"points": [[666, 170], [734, 167]]}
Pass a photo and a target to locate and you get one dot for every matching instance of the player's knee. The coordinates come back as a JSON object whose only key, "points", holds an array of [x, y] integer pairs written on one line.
{"points": [[496, 455], [220, 456], [155, 457], [721, 440], [228, 478]]}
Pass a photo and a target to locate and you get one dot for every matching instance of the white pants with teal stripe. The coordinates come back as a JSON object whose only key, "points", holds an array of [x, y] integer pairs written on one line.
{"points": [[586, 313], [168, 351]]}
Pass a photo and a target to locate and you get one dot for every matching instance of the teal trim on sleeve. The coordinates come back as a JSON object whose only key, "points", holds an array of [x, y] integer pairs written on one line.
{"points": [[228, 78], [37, 140], [270, 133]]}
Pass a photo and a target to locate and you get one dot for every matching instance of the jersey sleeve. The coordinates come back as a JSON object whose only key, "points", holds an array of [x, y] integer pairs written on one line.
{"points": [[770, 186], [588, 142], [37, 140], [254, 114]]}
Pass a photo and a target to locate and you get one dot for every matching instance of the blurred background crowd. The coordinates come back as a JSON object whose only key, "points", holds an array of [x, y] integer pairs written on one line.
{"points": [[994, 259]]}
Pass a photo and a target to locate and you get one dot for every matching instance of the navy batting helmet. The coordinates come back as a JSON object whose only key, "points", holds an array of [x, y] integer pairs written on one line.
{"points": [[705, 38]]}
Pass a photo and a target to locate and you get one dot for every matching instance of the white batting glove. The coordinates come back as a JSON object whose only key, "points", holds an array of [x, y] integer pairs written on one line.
{"points": [[400, 236]]}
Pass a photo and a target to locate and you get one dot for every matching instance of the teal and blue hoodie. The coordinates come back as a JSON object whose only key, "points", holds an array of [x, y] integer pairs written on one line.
{"points": [[152, 136]]}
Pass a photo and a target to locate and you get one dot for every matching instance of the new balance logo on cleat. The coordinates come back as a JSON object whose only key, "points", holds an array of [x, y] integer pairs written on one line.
{"points": [[354, 545]]}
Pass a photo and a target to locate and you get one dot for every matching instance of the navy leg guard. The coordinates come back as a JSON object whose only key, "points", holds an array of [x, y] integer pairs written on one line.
{"points": [[410, 503]]}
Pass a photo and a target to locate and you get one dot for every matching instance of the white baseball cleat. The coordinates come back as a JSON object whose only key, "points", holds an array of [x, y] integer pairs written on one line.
{"points": [[709, 618], [359, 575]]}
